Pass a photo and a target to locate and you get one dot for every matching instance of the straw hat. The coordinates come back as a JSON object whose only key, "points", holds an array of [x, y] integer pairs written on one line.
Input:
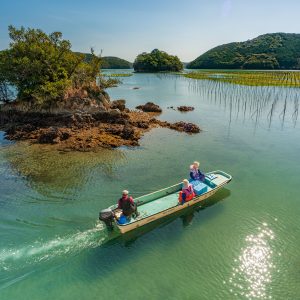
{"points": [[196, 163]]}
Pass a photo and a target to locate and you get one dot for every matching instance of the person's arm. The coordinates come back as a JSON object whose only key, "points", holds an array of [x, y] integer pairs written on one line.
{"points": [[192, 175], [119, 204], [131, 200], [201, 176], [201, 173]]}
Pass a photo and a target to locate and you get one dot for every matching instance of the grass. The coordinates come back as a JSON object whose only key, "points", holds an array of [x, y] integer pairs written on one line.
{"points": [[118, 75], [250, 78]]}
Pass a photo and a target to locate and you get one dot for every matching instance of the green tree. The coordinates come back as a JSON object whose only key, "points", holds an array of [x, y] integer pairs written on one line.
{"points": [[157, 61], [42, 67]]}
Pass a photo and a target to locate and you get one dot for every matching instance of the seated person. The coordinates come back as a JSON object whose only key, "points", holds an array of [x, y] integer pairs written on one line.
{"points": [[187, 192], [195, 173], [127, 205]]}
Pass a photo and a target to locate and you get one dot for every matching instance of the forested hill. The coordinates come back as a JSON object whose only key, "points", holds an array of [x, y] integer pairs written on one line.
{"points": [[268, 51], [111, 62]]}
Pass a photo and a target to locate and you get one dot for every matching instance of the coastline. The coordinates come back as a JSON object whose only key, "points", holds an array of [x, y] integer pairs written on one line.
{"points": [[84, 131]]}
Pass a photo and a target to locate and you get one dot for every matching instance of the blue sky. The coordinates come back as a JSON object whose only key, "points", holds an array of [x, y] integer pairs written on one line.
{"points": [[186, 28]]}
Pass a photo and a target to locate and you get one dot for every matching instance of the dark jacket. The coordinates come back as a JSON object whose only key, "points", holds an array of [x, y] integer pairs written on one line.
{"points": [[126, 203], [199, 176]]}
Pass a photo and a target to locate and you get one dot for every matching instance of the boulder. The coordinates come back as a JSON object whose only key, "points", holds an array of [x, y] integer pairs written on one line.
{"points": [[185, 108], [149, 107], [186, 127], [48, 136], [128, 132], [118, 104]]}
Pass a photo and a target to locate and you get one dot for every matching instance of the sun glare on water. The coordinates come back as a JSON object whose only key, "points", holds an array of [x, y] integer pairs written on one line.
{"points": [[253, 269]]}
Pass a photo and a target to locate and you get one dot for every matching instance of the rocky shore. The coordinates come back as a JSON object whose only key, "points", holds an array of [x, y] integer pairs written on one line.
{"points": [[85, 131]]}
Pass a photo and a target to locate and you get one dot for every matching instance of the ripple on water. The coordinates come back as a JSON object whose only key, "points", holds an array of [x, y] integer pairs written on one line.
{"points": [[252, 272]]}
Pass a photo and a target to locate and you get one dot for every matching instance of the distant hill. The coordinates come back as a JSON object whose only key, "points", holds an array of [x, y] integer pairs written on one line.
{"points": [[157, 61], [111, 62], [268, 51]]}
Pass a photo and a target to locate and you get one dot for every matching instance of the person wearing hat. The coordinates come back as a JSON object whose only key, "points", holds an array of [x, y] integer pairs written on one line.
{"points": [[195, 173], [126, 203]]}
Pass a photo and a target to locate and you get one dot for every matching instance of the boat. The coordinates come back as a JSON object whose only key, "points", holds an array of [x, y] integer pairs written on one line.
{"points": [[164, 202]]}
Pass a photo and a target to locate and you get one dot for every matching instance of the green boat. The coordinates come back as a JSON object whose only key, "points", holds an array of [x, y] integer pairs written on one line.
{"points": [[162, 203]]}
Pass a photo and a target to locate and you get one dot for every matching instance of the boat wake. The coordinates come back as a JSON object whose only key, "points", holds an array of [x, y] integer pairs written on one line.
{"points": [[41, 251]]}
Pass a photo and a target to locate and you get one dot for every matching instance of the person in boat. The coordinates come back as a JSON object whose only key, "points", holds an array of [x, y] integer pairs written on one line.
{"points": [[126, 203], [195, 172], [187, 192]]}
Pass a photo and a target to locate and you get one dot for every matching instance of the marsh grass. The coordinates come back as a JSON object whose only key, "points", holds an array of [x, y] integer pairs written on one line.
{"points": [[250, 78], [118, 75], [251, 102]]}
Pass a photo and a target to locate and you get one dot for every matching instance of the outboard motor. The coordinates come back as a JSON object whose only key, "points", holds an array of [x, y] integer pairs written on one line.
{"points": [[107, 216]]}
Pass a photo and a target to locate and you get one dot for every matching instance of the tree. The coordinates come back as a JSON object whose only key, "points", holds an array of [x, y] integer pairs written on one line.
{"points": [[157, 61], [42, 67]]}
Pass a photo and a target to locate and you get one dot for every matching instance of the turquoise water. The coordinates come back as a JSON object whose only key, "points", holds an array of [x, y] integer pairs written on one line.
{"points": [[243, 243]]}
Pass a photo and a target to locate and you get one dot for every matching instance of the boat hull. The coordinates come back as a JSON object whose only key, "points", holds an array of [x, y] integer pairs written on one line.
{"points": [[173, 210], [166, 202]]}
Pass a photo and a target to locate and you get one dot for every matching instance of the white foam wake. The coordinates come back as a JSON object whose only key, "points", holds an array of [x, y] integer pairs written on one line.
{"points": [[15, 258]]}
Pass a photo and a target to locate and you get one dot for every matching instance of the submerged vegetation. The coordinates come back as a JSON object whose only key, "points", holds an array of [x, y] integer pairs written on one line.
{"points": [[268, 51], [257, 78], [157, 61]]}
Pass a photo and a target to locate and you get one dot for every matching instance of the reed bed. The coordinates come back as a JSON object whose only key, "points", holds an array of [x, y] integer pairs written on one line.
{"points": [[257, 103], [118, 75], [250, 78]]}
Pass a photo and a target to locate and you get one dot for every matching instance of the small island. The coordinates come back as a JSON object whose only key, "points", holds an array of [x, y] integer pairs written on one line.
{"points": [[157, 61], [52, 95]]}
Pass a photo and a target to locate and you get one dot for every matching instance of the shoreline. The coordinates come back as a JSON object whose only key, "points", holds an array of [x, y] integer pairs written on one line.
{"points": [[83, 131]]}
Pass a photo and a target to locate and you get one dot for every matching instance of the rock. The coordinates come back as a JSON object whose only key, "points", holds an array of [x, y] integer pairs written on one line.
{"points": [[143, 125], [83, 131], [135, 88], [104, 99], [186, 127], [113, 116], [116, 130], [149, 107], [128, 132], [28, 128], [48, 136], [119, 104], [51, 135], [64, 136], [82, 119], [185, 108]]}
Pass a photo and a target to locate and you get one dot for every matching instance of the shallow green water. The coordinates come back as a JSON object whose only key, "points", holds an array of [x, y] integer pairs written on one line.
{"points": [[244, 243]]}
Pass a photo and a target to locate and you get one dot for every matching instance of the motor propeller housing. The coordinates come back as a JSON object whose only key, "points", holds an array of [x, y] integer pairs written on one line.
{"points": [[107, 216]]}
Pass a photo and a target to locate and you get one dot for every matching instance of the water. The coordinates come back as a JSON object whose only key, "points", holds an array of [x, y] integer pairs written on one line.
{"points": [[241, 244]]}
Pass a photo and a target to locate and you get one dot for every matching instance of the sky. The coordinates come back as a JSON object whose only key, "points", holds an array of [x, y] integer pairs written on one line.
{"points": [[186, 28]]}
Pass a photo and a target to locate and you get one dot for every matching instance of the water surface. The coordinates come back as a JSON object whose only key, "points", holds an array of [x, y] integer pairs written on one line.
{"points": [[243, 243]]}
